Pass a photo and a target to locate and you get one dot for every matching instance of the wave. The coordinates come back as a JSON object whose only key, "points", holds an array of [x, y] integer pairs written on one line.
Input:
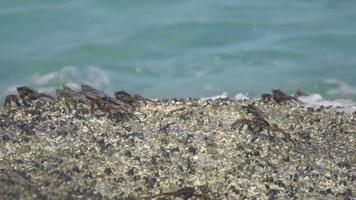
{"points": [[342, 88], [312, 100], [71, 76], [316, 100], [220, 96], [74, 76]]}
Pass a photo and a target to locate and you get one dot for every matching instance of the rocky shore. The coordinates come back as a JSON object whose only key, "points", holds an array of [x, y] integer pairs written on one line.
{"points": [[177, 149]]}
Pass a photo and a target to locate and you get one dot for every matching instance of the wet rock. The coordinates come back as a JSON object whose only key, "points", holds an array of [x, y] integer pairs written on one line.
{"points": [[272, 194], [5, 138], [344, 164], [150, 182], [65, 152], [108, 171]]}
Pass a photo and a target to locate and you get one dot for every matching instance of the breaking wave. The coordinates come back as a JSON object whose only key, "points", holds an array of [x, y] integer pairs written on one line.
{"points": [[316, 100], [312, 100], [72, 76], [341, 88]]}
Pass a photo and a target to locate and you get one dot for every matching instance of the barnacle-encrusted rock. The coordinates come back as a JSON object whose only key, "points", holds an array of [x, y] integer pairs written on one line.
{"points": [[180, 148]]}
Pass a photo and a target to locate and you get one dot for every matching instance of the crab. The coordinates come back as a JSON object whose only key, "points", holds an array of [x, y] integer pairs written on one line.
{"points": [[28, 94], [106, 103], [113, 108], [12, 98], [257, 123], [255, 111], [71, 97], [132, 100], [266, 97], [279, 96], [260, 125], [91, 92]]}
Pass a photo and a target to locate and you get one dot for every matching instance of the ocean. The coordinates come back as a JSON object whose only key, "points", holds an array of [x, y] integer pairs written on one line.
{"points": [[195, 48]]}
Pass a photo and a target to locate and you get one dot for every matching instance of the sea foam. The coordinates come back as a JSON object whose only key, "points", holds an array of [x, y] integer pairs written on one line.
{"points": [[312, 100], [71, 76], [74, 76], [316, 100]]}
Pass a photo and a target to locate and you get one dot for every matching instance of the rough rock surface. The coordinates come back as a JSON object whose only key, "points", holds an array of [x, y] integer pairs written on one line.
{"points": [[178, 149]]}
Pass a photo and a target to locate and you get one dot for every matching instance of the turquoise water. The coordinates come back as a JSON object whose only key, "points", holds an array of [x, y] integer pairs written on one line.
{"points": [[164, 48]]}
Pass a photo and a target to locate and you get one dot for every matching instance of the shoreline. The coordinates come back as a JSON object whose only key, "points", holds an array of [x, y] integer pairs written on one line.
{"points": [[188, 148]]}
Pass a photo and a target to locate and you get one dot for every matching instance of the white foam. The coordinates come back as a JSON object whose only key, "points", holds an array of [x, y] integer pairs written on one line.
{"points": [[11, 90], [73, 85], [312, 100], [97, 77], [342, 88], [61, 75], [241, 96], [316, 100], [221, 96], [72, 76]]}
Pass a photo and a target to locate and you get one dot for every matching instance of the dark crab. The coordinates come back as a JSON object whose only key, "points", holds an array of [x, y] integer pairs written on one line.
{"points": [[92, 93], [266, 97], [71, 97], [132, 100], [257, 123], [254, 110], [12, 98], [106, 103], [279, 96], [28, 94]]}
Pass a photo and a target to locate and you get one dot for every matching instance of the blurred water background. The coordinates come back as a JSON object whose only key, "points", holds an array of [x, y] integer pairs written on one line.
{"points": [[165, 48]]}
